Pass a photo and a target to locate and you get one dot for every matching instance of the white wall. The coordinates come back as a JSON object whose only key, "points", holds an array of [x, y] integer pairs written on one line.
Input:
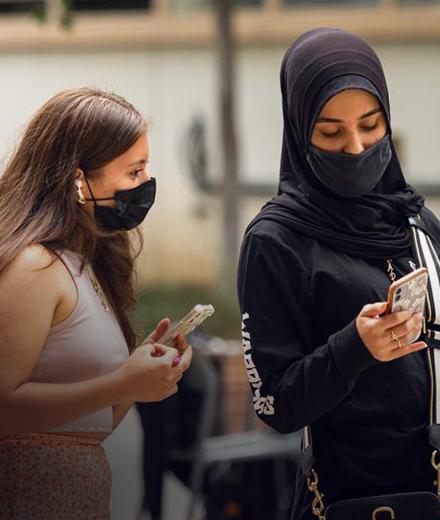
{"points": [[171, 87], [413, 74]]}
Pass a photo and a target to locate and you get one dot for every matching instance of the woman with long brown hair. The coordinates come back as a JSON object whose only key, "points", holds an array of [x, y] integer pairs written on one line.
{"points": [[69, 363]]}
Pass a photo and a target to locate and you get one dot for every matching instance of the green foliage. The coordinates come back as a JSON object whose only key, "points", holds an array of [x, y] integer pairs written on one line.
{"points": [[40, 13], [66, 18], [155, 303]]}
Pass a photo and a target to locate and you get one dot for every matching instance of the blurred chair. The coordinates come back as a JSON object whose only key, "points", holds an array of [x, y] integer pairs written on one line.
{"points": [[182, 436], [249, 446]]}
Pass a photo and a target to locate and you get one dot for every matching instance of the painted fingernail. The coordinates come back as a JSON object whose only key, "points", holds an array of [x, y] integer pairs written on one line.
{"points": [[176, 361]]}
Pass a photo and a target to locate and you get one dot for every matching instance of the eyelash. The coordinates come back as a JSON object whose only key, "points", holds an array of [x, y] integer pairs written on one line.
{"points": [[333, 135], [136, 173]]}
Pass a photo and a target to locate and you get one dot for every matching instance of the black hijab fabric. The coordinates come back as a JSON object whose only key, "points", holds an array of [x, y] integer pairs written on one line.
{"points": [[317, 65]]}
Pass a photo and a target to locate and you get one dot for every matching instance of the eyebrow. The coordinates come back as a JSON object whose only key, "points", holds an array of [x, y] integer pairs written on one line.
{"points": [[138, 163], [363, 116]]}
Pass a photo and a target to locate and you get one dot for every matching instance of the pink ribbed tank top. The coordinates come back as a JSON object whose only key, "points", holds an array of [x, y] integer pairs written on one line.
{"points": [[87, 344]]}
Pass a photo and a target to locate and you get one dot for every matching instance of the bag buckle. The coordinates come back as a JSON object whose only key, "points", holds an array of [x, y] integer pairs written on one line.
{"points": [[383, 509], [436, 466]]}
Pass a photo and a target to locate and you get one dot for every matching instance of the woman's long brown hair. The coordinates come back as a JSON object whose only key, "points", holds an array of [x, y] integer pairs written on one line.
{"points": [[81, 128]]}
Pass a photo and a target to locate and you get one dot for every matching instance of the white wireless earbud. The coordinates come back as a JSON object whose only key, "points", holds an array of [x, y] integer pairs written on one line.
{"points": [[78, 185]]}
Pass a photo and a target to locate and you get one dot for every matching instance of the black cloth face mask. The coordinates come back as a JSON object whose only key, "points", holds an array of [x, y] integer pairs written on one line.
{"points": [[131, 207], [350, 176]]}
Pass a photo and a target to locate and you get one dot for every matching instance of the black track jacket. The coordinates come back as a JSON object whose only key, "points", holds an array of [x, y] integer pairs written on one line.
{"points": [[307, 365]]}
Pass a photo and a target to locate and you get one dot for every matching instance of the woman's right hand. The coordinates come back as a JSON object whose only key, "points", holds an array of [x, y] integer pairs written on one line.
{"points": [[149, 373], [380, 332]]}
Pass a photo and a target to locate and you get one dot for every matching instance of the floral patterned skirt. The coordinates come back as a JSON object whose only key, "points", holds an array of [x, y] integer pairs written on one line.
{"points": [[53, 477]]}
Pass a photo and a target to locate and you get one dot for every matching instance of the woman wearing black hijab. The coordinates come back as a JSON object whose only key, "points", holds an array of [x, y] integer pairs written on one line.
{"points": [[313, 277]]}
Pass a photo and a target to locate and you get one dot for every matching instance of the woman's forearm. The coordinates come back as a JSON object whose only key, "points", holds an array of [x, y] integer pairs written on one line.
{"points": [[119, 412], [34, 407]]}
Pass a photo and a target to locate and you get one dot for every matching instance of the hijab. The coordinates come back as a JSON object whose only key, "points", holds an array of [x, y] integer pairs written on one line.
{"points": [[318, 65]]}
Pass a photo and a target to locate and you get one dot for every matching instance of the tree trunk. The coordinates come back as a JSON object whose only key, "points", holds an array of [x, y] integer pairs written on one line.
{"points": [[229, 183]]}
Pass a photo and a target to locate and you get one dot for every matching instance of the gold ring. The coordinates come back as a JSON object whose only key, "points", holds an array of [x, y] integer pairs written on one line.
{"points": [[395, 338]]}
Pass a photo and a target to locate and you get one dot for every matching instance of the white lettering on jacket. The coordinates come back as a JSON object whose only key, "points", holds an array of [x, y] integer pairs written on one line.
{"points": [[264, 405]]}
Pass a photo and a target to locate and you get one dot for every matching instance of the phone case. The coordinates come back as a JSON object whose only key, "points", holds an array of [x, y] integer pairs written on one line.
{"points": [[188, 323], [409, 293]]}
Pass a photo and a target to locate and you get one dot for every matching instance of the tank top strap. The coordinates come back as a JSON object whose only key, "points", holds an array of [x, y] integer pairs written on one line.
{"points": [[71, 260]]}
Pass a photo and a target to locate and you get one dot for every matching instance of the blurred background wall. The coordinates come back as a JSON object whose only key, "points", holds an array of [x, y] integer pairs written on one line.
{"points": [[160, 55]]}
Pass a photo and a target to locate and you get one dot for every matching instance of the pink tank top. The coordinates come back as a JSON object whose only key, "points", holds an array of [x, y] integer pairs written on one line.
{"points": [[87, 344]]}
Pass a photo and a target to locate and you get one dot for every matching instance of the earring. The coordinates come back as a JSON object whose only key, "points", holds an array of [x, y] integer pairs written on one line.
{"points": [[81, 199]]}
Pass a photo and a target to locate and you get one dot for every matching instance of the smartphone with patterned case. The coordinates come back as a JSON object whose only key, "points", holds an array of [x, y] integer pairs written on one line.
{"points": [[409, 294]]}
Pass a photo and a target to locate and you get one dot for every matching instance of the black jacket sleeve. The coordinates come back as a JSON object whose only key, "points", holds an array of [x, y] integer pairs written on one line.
{"points": [[293, 382]]}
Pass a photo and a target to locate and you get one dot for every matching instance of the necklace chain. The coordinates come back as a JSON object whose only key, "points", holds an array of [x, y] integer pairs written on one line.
{"points": [[98, 290]]}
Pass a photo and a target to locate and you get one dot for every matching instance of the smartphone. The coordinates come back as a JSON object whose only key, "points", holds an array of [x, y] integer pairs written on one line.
{"points": [[187, 324], [409, 294]]}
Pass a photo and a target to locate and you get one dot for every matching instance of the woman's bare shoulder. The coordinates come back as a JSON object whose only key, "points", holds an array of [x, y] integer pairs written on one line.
{"points": [[32, 258], [35, 266]]}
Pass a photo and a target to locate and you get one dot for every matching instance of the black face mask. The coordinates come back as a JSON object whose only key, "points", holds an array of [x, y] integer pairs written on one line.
{"points": [[350, 176], [130, 209]]}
